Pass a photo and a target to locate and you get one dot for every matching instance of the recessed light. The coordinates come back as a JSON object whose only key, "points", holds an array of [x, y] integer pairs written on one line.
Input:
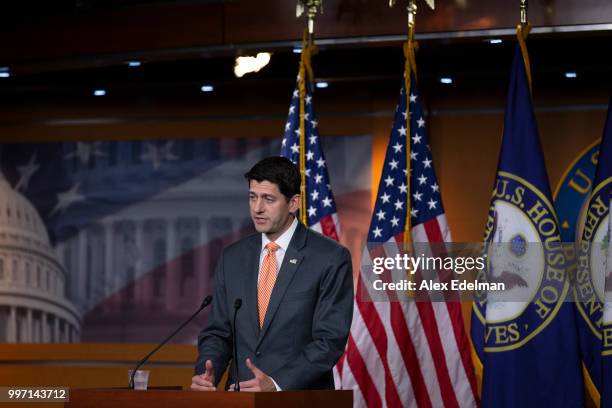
{"points": [[99, 92], [5, 72], [322, 84], [446, 80], [134, 64], [297, 50], [571, 74], [207, 88], [495, 41]]}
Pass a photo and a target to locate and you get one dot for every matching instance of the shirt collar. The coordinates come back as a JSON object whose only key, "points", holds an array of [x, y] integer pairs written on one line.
{"points": [[284, 240]]}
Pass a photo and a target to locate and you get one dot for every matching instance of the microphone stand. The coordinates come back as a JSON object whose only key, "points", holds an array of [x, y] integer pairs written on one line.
{"points": [[206, 302], [237, 305]]}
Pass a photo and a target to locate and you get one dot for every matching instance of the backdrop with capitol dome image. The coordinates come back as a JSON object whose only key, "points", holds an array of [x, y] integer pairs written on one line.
{"points": [[116, 241]]}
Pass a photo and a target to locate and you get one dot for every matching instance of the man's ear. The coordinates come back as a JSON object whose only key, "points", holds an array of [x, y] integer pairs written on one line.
{"points": [[294, 203]]}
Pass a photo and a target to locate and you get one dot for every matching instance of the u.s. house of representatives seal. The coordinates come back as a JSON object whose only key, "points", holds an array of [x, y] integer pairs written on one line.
{"points": [[585, 220], [524, 252], [573, 193], [592, 257]]}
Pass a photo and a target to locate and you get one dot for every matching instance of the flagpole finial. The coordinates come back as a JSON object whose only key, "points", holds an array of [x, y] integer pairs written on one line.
{"points": [[311, 7], [412, 10], [524, 20]]}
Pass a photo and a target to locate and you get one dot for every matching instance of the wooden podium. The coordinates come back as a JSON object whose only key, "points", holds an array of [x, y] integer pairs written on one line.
{"points": [[120, 398]]}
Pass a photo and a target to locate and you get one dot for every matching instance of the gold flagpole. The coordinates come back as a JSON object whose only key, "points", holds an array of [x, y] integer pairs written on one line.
{"points": [[522, 32], [410, 47], [409, 67], [312, 7]]}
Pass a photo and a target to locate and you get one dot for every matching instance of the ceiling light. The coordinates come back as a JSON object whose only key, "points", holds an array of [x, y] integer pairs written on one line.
{"points": [[446, 80], [134, 63], [297, 50], [495, 41], [99, 92], [207, 88], [571, 74], [245, 65], [5, 72], [322, 84]]}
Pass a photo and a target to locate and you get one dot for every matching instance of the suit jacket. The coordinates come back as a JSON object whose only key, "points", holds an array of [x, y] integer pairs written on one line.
{"points": [[307, 321]]}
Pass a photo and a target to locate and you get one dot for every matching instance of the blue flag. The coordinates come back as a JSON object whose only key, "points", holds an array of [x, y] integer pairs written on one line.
{"points": [[593, 289], [604, 177], [525, 338]]}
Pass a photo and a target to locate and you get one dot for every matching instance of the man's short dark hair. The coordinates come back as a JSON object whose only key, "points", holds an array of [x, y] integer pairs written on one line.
{"points": [[278, 170]]}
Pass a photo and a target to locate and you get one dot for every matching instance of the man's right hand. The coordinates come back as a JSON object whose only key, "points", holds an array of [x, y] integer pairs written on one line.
{"points": [[206, 381]]}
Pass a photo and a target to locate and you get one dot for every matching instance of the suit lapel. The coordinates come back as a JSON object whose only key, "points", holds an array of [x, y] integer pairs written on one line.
{"points": [[291, 263], [251, 284]]}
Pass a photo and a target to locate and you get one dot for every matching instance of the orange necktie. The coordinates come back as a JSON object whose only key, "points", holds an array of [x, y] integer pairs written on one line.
{"points": [[267, 278]]}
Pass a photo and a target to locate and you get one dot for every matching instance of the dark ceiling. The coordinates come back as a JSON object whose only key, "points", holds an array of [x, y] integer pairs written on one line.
{"points": [[60, 7], [473, 64], [176, 63]]}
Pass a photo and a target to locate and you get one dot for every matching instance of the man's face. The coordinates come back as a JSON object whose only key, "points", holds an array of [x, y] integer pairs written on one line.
{"points": [[270, 211]]}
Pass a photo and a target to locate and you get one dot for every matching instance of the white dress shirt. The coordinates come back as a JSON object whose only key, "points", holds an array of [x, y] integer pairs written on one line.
{"points": [[282, 242]]}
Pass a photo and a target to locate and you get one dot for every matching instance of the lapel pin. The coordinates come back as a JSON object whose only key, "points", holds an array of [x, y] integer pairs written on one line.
{"points": [[293, 260]]}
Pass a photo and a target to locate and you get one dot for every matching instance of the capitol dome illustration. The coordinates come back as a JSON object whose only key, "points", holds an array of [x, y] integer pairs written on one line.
{"points": [[33, 306]]}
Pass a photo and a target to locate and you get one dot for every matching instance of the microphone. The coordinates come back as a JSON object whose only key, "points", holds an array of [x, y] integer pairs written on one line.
{"points": [[206, 302], [237, 304]]}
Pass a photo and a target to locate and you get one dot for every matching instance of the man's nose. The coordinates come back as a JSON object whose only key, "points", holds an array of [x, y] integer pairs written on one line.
{"points": [[258, 205]]}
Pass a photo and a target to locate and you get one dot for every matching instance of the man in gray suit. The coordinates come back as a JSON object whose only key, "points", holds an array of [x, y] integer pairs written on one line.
{"points": [[294, 320]]}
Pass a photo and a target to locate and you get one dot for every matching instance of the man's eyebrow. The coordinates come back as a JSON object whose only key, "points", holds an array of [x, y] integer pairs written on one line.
{"points": [[264, 195]]}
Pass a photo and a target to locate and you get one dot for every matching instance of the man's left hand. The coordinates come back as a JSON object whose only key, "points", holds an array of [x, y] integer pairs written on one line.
{"points": [[261, 382]]}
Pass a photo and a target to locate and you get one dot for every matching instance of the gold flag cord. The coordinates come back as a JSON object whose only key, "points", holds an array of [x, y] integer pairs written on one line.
{"points": [[410, 67], [308, 50], [522, 32]]}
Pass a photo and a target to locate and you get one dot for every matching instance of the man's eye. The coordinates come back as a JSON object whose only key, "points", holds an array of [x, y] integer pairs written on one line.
{"points": [[269, 199]]}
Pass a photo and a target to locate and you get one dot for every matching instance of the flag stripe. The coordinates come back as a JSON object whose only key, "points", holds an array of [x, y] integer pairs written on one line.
{"points": [[373, 321], [402, 340], [384, 309], [363, 380], [409, 355], [423, 391], [366, 349], [328, 227], [401, 354], [438, 353], [455, 320], [339, 369], [350, 378]]}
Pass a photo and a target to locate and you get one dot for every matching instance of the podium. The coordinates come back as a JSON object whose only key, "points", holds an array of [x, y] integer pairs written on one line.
{"points": [[122, 398]]}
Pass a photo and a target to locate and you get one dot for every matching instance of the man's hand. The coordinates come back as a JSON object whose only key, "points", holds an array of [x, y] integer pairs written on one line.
{"points": [[206, 381], [261, 382]]}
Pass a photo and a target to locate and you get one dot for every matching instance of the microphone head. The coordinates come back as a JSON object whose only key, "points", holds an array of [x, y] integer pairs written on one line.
{"points": [[206, 301], [237, 303]]}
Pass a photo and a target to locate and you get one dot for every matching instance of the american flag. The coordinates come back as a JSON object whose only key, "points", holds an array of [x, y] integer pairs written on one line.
{"points": [[407, 353], [320, 206], [321, 211]]}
